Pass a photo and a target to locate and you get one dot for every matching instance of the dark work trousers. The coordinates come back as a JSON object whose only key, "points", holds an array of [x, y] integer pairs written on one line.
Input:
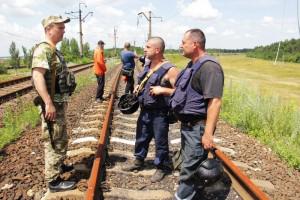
{"points": [[100, 88], [153, 123], [193, 154], [129, 85]]}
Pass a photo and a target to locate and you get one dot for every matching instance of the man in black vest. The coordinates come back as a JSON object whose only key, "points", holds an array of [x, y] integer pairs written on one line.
{"points": [[196, 102], [156, 84]]}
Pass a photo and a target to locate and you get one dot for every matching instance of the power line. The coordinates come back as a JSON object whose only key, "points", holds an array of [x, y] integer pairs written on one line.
{"points": [[81, 19], [149, 19], [18, 36]]}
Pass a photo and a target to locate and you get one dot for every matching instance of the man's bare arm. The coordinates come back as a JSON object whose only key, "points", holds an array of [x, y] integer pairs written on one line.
{"points": [[213, 110], [171, 77], [40, 85]]}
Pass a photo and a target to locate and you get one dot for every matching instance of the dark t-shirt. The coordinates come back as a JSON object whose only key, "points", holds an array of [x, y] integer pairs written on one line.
{"points": [[127, 58], [209, 80]]}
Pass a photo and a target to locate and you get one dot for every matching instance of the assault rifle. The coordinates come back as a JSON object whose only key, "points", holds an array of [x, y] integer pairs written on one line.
{"points": [[38, 101]]}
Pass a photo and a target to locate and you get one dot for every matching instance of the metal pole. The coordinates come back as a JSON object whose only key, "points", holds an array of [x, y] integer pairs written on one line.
{"points": [[80, 33], [150, 28], [115, 40]]}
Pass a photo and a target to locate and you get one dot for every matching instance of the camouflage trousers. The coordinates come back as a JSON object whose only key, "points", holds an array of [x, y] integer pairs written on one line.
{"points": [[55, 153]]}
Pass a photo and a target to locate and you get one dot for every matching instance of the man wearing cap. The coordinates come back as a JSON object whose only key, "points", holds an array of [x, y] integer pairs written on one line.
{"points": [[99, 69], [47, 63]]}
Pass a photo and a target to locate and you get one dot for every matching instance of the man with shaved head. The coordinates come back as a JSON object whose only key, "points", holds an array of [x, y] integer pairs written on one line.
{"points": [[155, 85]]}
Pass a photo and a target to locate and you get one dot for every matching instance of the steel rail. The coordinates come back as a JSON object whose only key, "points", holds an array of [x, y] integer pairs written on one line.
{"points": [[240, 182], [26, 78], [100, 155], [24, 90]]}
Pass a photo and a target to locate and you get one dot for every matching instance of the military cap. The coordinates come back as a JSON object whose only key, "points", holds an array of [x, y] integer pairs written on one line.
{"points": [[54, 19]]}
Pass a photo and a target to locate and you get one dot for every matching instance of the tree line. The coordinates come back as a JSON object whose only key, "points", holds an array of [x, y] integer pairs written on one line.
{"points": [[289, 51]]}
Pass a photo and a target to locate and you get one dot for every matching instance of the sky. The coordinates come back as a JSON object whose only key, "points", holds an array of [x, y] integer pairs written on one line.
{"points": [[227, 24]]}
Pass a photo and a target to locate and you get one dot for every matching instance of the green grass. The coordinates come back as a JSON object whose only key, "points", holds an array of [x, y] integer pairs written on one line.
{"points": [[178, 60], [263, 100], [11, 74], [266, 117], [282, 78], [15, 122]]}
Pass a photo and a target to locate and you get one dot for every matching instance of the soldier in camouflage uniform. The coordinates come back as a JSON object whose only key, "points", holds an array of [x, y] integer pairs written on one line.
{"points": [[47, 63]]}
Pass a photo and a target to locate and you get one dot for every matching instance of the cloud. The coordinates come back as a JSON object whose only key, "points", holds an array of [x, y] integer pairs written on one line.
{"points": [[210, 30], [228, 33], [247, 35], [17, 9], [2, 19], [109, 11], [267, 20], [198, 9]]}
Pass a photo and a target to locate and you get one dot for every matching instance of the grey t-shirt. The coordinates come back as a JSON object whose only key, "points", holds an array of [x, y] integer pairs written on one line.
{"points": [[211, 82]]}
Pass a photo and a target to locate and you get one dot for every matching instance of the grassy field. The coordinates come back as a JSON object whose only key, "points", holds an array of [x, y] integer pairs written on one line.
{"points": [[11, 74], [282, 79], [263, 100]]}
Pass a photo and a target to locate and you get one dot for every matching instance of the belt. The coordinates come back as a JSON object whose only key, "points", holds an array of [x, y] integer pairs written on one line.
{"points": [[193, 122]]}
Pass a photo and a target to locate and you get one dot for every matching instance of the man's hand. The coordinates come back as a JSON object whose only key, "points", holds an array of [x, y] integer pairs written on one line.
{"points": [[50, 112], [135, 89], [156, 90], [207, 141]]}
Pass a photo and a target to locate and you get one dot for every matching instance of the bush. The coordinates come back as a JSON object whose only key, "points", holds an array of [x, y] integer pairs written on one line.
{"points": [[267, 117], [3, 70]]}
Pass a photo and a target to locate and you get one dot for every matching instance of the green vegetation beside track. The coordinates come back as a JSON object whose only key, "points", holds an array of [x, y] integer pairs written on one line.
{"points": [[25, 115], [263, 100]]}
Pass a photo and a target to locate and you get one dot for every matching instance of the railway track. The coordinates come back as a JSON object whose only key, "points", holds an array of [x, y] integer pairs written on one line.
{"points": [[100, 144], [20, 86], [103, 143]]}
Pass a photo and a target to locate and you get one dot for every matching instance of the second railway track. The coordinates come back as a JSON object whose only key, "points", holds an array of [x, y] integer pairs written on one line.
{"points": [[20, 86]]}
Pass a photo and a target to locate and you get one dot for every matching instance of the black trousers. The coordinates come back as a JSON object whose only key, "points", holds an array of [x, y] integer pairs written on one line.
{"points": [[129, 85], [100, 88]]}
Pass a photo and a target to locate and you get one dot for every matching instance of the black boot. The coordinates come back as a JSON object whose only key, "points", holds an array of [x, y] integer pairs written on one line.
{"points": [[66, 168], [138, 164], [58, 185]]}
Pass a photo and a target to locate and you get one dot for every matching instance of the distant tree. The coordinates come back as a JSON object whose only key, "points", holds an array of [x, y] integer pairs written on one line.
{"points": [[30, 52], [289, 51], [86, 50], [26, 56], [74, 49], [3, 69], [65, 49], [14, 54]]}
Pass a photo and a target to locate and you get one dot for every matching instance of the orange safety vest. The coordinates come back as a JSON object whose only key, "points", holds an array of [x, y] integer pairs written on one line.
{"points": [[99, 63]]}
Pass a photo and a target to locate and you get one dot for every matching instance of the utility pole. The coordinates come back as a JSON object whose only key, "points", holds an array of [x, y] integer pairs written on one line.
{"points": [[80, 24], [115, 40], [149, 19]]}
